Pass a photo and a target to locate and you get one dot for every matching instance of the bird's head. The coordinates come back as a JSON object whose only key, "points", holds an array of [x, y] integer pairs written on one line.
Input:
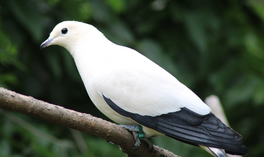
{"points": [[69, 33]]}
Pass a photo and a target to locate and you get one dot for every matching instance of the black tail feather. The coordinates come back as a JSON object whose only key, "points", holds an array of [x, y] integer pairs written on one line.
{"points": [[210, 131], [190, 127]]}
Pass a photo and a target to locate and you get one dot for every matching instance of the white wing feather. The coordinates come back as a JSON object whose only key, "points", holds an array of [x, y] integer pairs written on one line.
{"points": [[140, 86]]}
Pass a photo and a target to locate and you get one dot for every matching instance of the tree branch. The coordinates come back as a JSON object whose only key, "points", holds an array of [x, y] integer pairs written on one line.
{"points": [[80, 121]]}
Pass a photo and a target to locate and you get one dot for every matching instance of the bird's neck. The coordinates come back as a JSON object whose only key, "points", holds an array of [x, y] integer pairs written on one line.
{"points": [[90, 57]]}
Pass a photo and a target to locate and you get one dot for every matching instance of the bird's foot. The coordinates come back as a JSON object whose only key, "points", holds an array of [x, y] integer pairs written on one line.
{"points": [[137, 133]]}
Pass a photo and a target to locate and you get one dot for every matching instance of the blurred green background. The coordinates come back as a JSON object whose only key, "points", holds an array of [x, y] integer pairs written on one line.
{"points": [[213, 47]]}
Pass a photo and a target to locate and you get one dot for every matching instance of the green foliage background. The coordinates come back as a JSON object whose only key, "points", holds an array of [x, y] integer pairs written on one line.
{"points": [[214, 47]]}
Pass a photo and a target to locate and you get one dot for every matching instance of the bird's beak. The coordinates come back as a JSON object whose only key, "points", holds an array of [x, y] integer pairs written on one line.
{"points": [[46, 43]]}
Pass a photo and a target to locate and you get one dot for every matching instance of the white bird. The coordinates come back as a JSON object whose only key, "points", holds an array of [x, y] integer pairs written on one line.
{"points": [[133, 91]]}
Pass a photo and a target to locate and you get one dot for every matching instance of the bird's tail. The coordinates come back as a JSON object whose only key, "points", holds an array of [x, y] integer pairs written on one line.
{"points": [[215, 151]]}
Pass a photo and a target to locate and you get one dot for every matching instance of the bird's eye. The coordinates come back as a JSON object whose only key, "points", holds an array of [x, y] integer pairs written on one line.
{"points": [[64, 30]]}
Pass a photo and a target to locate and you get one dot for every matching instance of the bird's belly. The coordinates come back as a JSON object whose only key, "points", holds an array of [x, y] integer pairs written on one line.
{"points": [[116, 117], [102, 106], [150, 132]]}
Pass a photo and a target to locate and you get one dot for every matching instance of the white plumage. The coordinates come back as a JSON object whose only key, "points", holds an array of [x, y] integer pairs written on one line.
{"points": [[130, 80]]}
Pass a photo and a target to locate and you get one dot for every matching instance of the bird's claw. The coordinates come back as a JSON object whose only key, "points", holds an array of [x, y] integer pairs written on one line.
{"points": [[136, 137], [137, 133]]}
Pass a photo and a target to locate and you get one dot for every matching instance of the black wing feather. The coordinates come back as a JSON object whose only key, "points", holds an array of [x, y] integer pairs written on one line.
{"points": [[190, 127]]}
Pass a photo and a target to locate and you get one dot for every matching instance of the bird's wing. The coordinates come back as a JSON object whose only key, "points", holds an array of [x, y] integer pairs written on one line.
{"points": [[135, 87], [140, 86]]}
